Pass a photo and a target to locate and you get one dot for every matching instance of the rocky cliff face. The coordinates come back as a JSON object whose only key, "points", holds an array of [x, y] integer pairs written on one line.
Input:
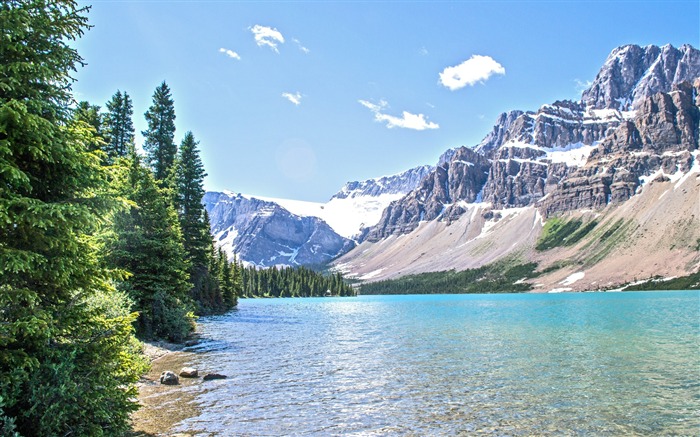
{"points": [[459, 179], [265, 234], [530, 156], [659, 143]]}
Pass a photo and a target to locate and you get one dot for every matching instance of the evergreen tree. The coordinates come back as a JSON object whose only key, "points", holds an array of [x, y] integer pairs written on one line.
{"points": [[148, 245], [159, 143], [89, 114], [68, 358], [189, 180], [119, 126]]}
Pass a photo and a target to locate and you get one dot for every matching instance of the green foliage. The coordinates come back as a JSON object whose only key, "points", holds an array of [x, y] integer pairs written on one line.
{"points": [[607, 238], [690, 282], [211, 276], [159, 138], [292, 282], [499, 277], [148, 245], [189, 191], [558, 233], [89, 114], [68, 357], [119, 127]]}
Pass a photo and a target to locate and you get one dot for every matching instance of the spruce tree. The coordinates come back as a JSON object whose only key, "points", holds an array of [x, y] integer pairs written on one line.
{"points": [[91, 115], [119, 129], [68, 358], [159, 138], [148, 245], [189, 182]]}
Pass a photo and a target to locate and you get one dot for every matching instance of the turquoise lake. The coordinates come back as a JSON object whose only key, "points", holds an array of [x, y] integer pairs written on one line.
{"points": [[508, 364]]}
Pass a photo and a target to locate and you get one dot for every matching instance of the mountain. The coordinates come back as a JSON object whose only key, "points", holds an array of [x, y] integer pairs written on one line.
{"points": [[266, 232], [632, 73], [621, 164]]}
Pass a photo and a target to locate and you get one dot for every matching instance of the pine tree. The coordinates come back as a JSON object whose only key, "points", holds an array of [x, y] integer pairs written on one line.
{"points": [[189, 184], [119, 129], [68, 357], [159, 143], [91, 115], [148, 245]]}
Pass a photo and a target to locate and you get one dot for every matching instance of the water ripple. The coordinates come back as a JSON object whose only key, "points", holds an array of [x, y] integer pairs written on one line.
{"points": [[584, 364]]}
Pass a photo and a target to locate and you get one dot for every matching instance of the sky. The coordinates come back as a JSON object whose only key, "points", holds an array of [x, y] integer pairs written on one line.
{"points": [[293, 99]]}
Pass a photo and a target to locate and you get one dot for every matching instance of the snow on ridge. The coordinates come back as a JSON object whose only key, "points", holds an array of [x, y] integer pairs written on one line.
{"points": [[346, 216], [573, 155]]}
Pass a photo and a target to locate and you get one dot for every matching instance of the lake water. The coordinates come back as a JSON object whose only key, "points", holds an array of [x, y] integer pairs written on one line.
{"points": [[516, 364]]}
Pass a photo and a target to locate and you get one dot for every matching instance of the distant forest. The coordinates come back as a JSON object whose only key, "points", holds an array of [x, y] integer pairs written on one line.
{"points": [[292, 282], [500, 277]]}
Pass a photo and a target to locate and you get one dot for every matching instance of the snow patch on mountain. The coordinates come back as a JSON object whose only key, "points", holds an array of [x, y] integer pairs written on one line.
{"points": [[573, 155], [347, 216]]}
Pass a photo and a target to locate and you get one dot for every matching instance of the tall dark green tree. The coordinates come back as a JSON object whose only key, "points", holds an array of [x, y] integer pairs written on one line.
{"points": [[159, 138], [189, 181], [67, 353], [194, 222], [119, 126], [148, 245]]}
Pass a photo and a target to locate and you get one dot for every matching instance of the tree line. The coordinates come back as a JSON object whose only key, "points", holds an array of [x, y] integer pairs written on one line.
{"points": [[98, 243], [291, 282], [503, 276]]}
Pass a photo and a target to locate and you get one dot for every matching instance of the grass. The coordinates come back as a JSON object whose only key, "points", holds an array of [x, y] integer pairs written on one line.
{"points": [[558, 232]]}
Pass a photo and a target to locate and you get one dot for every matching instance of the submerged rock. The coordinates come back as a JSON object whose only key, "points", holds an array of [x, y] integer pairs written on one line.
{"points": [[212, 376], [189, 372], [169, 378]]}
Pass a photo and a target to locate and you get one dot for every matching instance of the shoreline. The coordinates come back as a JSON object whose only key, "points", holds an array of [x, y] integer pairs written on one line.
{"points": [[162, 406]]}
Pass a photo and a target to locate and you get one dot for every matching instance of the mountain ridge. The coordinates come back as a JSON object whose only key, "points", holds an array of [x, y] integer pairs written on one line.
{"points": [[632, 136], [569, 159], [252, 227]]}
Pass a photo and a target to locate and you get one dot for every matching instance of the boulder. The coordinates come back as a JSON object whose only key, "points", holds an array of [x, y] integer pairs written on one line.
{"points": [[189, 372], [169, 378]]}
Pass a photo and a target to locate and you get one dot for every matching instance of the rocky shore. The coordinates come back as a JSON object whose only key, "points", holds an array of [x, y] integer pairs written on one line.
{"points": [[163, 406]]}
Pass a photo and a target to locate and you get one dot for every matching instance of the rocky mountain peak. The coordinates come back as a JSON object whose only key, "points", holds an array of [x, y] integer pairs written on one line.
{"points": [[400, 183], [632, 73], [496, 137], [456, 180]]}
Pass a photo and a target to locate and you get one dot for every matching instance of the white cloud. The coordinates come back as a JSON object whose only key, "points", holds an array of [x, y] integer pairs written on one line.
{"points": [[374, 107], [475, 69], [423, 51], [294, 98], [406, 121], [230, 53], [581, 85], [301, 46], [267, 36]]}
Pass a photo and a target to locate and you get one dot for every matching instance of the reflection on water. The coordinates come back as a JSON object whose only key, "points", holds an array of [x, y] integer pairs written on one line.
{"points": [[572, 364]]}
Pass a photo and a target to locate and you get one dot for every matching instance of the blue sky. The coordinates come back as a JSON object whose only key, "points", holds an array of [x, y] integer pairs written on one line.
{"points": [[293, 99]]}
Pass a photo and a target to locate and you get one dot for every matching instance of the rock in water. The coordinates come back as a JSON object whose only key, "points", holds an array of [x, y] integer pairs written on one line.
{"points": [[212, 376], [169, 378], [189, 372]]}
